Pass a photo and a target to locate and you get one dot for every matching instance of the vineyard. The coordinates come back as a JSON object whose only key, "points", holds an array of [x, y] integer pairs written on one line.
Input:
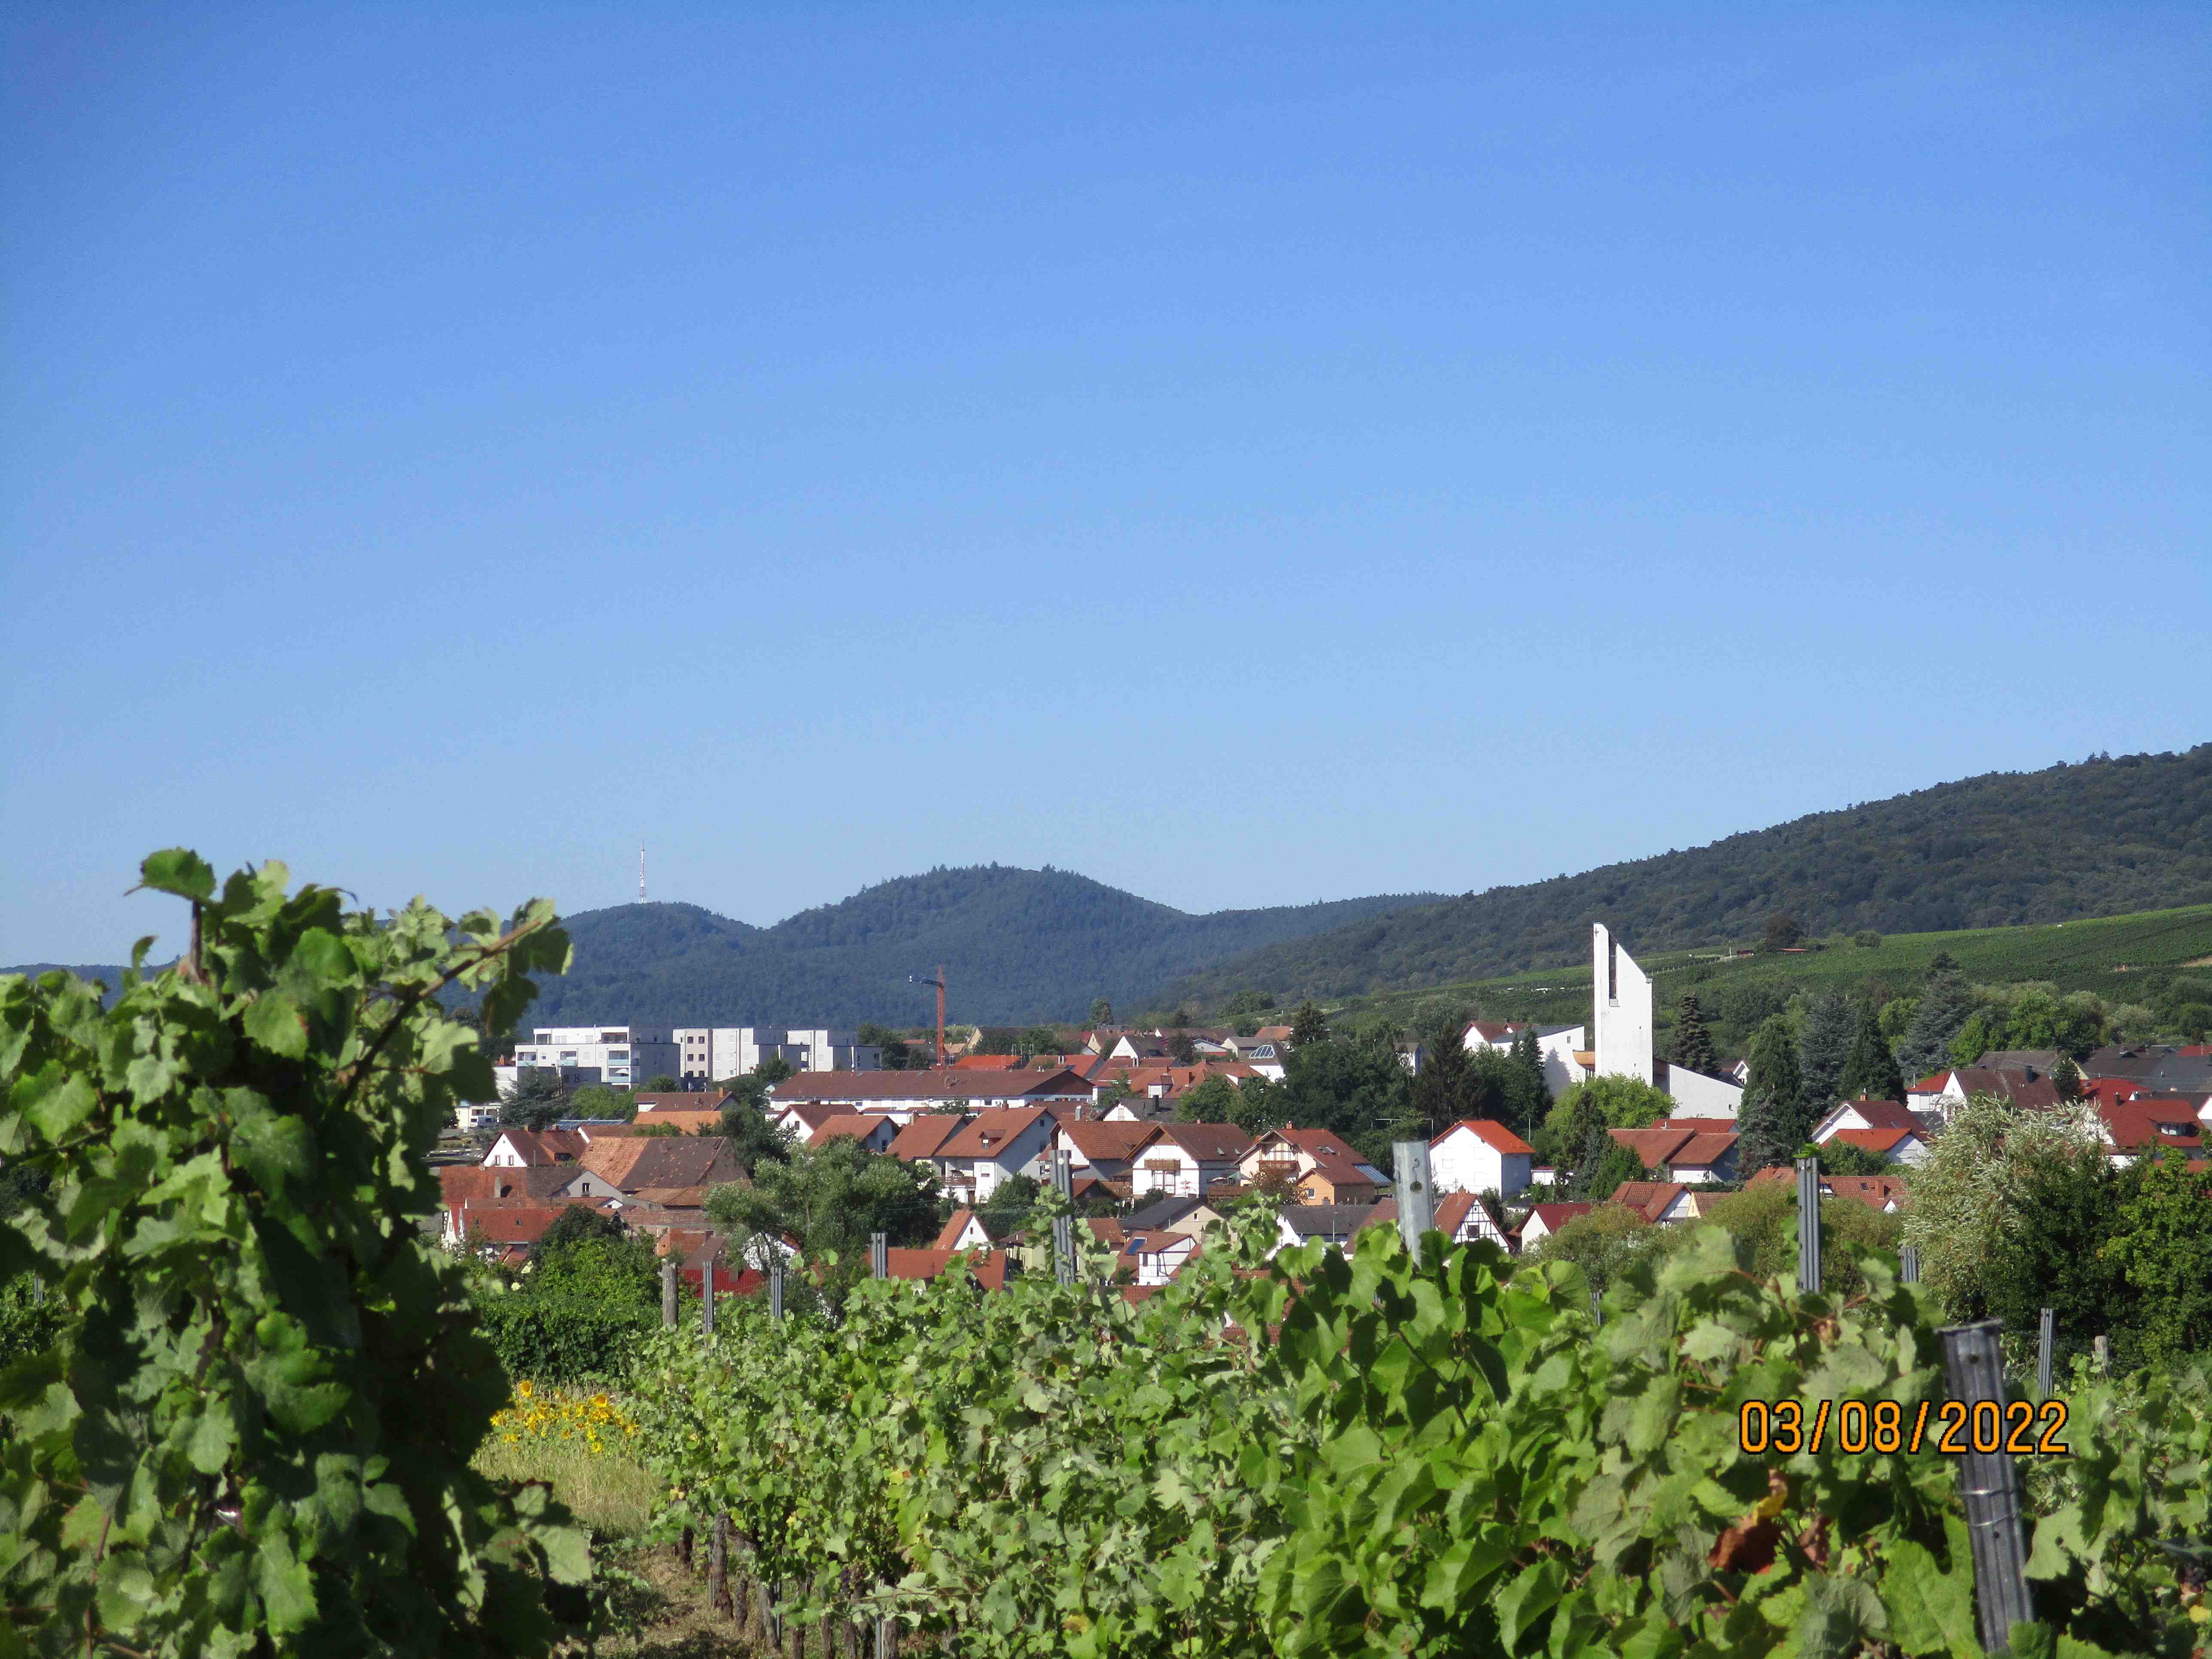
{"points": [[246, 1409], [2119, 957], [1314, 1457]]}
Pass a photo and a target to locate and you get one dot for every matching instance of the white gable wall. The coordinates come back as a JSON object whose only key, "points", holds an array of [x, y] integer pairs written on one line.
{"points": [[1698, 1095], [1463, 1161], [1558, 1049]]}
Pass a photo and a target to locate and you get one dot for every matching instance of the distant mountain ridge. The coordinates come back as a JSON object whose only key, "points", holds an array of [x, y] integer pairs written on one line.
{"points": [[1018, 945], [2106, 838]]}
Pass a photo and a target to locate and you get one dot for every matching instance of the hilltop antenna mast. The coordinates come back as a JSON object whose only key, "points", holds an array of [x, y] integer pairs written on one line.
{"points": [[640, 872]]}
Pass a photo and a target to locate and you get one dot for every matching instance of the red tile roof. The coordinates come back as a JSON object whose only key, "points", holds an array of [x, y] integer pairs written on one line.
{"points": [[509, 1222], [1874, 1141], [2016, 1088], [989, 1271], [1659, 1148], [1881, 1113], [851, 1126], [1874, 1191], [2145, 1122], [704, 1100], [937, 1083], [1649, 1198], [988, 1063], [538, 1146], [1489, 1131], [925, 1137], [948, 1236], [2110, 1089], [1098, 1140], [988, 1133], [1209, 1143], [691, 1124], [1449, 1214], [1553, 1216]]}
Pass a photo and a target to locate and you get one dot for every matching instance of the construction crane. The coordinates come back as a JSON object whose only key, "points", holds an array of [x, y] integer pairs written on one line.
{"points": [[916, 978]]}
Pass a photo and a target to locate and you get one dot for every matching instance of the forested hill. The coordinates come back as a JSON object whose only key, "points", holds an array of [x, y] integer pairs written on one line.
{"points": [[2101, 838], [1016, 945]]}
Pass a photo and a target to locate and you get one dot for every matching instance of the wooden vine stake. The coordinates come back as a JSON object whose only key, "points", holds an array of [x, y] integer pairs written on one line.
{"points": [[718, 1567]]}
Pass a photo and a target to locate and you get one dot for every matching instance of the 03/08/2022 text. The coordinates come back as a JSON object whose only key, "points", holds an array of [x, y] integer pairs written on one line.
{"points": [[1787, 1426]]}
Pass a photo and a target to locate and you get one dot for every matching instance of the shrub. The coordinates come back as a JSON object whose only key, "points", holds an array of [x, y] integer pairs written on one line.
{"points": [[1763, 1219]]}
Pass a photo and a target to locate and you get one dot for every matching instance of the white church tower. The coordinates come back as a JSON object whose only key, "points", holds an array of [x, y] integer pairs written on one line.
{"points": [[1620, 994]]}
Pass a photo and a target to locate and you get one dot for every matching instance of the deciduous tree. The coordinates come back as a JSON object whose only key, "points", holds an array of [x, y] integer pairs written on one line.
{"points": [[2163, 1245], [1615, 1164]]}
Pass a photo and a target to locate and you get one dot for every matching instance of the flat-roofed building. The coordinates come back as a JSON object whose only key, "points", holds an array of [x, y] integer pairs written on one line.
{"points": [[620, 1056]]}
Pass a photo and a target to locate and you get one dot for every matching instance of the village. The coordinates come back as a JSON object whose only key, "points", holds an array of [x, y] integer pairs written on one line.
{"points": [[1106, 1120]]}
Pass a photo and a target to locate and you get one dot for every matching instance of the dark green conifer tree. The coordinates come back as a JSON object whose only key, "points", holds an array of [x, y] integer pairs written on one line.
{"points": [[1824, 1048], [1945, 1006], [1530, 1095], [1771, 1122], [1870, 1070], [1693, 1040], [1442, 1088]]}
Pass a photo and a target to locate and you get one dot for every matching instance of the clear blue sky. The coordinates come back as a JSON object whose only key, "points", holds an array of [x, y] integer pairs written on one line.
{"points": [[1245, 455]]}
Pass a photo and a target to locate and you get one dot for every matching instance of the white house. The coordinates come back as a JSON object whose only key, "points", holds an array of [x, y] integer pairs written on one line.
{"points": [[1692, 1151], [1159, 1255], [1321, 1166], [1663, 1203], [1186, 1160], [1559, 1047], [1875, 1126], [1264, 1056], [993, 1145], [1542, 1221], [1458, 1216], [1479, 1155], [1103, 1148], [1498, 1035], [963, 1232], [874, 1133], [525, 1149]]}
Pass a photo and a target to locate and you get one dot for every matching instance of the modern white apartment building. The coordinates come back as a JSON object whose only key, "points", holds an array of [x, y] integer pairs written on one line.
{"points": [[621, 1056], [725, 1051]]}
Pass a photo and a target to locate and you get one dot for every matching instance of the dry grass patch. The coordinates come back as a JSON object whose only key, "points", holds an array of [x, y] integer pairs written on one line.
{"points": [[611, 1495]]}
